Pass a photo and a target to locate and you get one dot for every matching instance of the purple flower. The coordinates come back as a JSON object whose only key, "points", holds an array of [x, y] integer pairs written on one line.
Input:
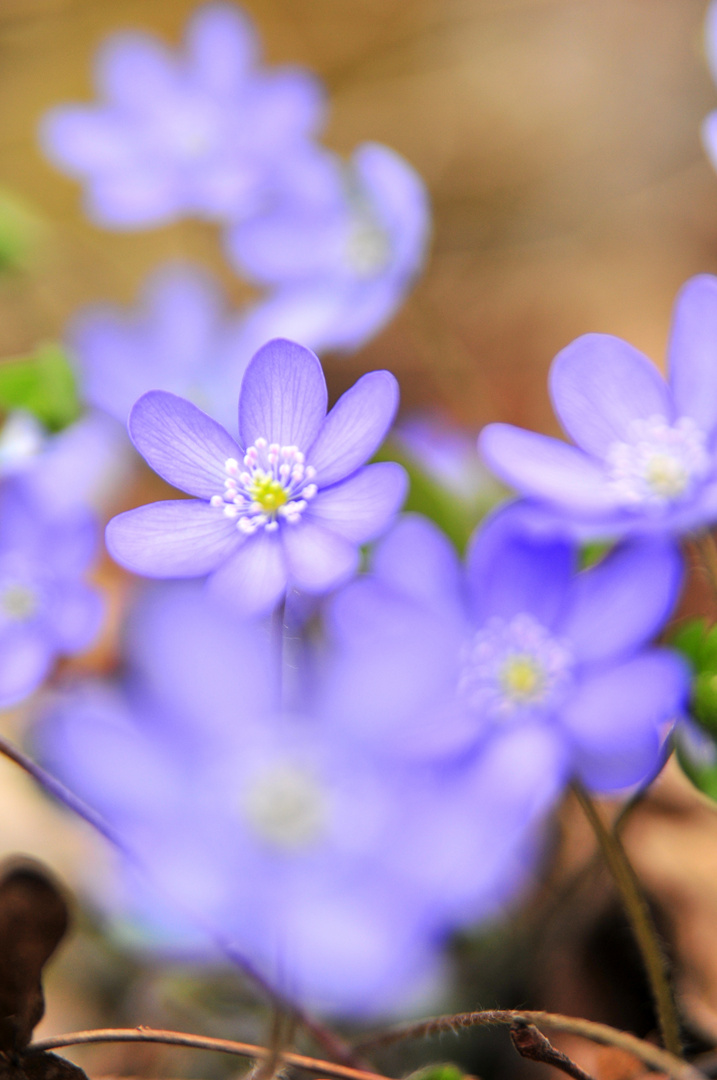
{"points": [[46, 607], [289, 506], [335, 873], [645, 459], [343, 249], [519, 646], [709, 127], [203, 133], [181, 339]]}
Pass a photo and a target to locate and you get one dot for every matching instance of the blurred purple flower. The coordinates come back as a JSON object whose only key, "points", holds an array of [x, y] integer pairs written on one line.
{"points": [[519, 646], [46, 607], [204, 133], [645, 455], [335, 873], [709, 126], [182, 339], [289, 507], [342, 249]]}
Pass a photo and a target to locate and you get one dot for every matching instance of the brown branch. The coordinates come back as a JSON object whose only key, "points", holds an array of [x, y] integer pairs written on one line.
{"points": [[653, 1056], [202, 1042], [532, 1044]]}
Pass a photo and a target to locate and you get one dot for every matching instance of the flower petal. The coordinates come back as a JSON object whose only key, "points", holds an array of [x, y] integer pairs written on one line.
{"points": [[283, 396], [401, 201], [515, 568], [693, 351], [418, 560], [185, 446], [361, 508], [318, 558], [25, 659], [176, 538], [599, 384], [618, 605], [548, 469], [136, 197], [76, 616], [254, 579], [355, 427], [83, 139], [135, 71], [222, 46], [615, 718]]}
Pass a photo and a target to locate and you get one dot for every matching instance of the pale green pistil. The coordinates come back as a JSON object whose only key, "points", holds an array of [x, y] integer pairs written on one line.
{"points": [[523, 680], [267, 492]]}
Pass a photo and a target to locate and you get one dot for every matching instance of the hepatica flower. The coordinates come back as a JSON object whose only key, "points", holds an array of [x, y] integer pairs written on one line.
{"points": [[645, 458], [47, 609], [200, 133], [336, 873], [342, 249], [289, 506], [518, 646]]}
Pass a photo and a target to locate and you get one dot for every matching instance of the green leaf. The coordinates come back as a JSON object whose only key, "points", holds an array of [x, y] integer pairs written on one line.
{"points": [[42, 384], [440, 1070], [20, 230]]}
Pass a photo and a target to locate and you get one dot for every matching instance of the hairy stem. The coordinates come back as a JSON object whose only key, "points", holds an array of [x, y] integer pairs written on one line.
{"points": [[201, 1042], [653, 1056], [638, 914]]}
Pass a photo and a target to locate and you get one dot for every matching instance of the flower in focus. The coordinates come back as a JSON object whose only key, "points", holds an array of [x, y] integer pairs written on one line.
{"points": [[203, 133], [47, 609], [288, 507], [342, 249], [335, 873], [519, 646], [645, 455]]}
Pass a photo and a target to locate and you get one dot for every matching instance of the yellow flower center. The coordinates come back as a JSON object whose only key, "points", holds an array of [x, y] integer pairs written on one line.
{"points": [[269, 493], [522, 679]]}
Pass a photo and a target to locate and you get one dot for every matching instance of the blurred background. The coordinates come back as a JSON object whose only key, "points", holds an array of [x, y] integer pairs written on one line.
{"points": [[559, 140]]}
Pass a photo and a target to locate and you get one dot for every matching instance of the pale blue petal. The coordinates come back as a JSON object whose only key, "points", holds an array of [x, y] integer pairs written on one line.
{"points": [[693, 351], [615, 718], [25, 659], [419, 561], [84, 139], [76, 616], [514, 568], [317, 558], [185, 446], [176, 538], [222, 46], [548, 469], [135, 71], [617, 606], [355, 427], [401, 203], [254, 579], [599, 385], [361, 507], [283, 396], [135, 197]]}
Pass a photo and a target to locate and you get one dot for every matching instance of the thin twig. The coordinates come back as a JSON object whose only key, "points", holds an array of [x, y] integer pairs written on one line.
{"points": [[201, 1042], [653, 1056], [640, 918], [532, 1044], [332, 1043]]}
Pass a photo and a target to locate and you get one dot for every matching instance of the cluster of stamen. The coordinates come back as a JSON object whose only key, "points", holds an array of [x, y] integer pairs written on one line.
{"points": [[660, 463], [272, 483], [513, 665], [286, 806]]}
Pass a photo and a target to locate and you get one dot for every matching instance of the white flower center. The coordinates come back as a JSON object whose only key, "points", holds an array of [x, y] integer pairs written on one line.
{"points": [[660, 463], [272, 484], [18, 602], [513, 665], [368, 249], [286, 807]]}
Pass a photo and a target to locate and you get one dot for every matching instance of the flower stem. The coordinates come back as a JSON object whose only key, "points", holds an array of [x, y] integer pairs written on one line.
{"points": [[640, 918]]}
